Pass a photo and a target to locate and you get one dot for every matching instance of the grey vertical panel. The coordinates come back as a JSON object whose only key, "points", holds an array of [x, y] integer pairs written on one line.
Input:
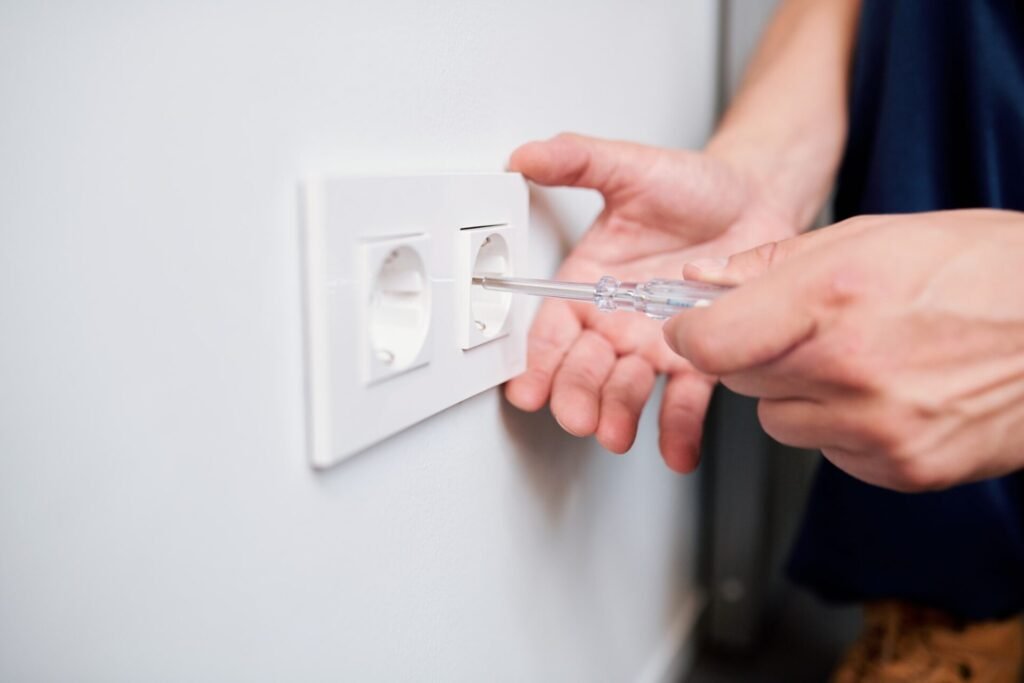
{"points": [[739, 461], [738, 450]]}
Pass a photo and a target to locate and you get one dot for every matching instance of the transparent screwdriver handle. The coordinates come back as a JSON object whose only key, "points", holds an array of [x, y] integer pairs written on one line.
{"points": [[657, 298]]}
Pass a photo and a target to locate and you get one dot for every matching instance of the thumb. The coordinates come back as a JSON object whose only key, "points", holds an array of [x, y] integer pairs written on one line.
{"points": [[747, 265], [579, 161], [774, 311], [751, 325]]}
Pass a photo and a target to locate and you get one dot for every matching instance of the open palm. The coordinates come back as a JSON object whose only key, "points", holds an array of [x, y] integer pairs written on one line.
{"points": [[663, 208]]}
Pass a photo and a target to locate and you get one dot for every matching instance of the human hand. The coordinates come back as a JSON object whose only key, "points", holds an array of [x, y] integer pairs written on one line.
{"points": [[895, 344], [662, 208]]}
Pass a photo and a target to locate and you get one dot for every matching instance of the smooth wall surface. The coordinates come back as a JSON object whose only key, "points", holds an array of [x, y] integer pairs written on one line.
{"points": [[158, 519]]}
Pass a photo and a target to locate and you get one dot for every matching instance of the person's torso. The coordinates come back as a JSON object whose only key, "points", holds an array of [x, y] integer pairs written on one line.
{"points": [[936, 108]]}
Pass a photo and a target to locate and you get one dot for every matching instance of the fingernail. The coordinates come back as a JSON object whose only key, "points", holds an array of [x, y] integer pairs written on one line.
{"points": [[709, 265]]}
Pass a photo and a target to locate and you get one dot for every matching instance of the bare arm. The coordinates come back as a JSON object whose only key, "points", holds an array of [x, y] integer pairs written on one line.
{"points": [[890, 343], [787, 124], [763, 177]]}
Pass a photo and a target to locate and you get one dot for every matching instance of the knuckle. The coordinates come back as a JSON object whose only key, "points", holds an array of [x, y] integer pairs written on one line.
{"points": [[918, 475], [752, 263], [583, 375], [886, 433], [543, 340], [771, 420], [541, 375], [766, 413], [842, 287], [858, 224], [891, 433], [846, 360], [847, 369], [767, 253]]}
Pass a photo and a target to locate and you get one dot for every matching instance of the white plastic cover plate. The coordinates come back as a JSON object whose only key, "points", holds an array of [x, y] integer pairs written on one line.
{"points": [[395, 290], [484, 313], [394, 331]]}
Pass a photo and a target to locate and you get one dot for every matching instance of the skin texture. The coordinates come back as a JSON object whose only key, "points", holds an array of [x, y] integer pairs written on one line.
{"points": [[895, 344], [762, 177], [662, 208]]}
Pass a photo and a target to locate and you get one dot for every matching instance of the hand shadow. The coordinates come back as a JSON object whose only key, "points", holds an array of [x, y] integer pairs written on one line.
{"points": [[552, 459]]}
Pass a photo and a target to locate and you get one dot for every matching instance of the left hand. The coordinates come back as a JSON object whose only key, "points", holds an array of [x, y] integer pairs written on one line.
{"points": [[895, 344], [661, 207]]}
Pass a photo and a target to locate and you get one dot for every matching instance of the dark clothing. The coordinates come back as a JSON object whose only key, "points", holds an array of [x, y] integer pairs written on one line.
{"points": [[936, 122], [936, 108]]}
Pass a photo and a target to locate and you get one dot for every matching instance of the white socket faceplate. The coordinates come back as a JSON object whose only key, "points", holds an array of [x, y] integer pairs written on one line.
{"points": [[392, 333], [484, 314], [395, 295]]}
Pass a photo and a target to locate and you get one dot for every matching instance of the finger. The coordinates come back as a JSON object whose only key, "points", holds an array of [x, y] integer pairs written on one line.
{"points": [[799, 374], [576, 389], [747, 265], [622, 400], [873, 470], [681, 421], [579, 161], [805, 424], [813, 371], [554, 330], [749, 326], [770, 382], [741, 267]]}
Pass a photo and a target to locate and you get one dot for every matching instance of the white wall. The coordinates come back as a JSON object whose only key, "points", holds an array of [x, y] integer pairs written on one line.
{"points": [[745, 20], [158, 520]]}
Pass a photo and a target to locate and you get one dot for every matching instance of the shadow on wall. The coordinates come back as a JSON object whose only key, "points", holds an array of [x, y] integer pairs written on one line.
{"points": [[552, 459]]}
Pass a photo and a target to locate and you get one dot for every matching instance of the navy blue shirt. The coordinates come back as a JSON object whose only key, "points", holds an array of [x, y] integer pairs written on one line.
{"points": [[936, 108], [936, 122]]}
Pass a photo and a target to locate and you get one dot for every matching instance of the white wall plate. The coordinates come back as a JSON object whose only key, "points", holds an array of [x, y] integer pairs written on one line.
{"points": [[394, 330]]}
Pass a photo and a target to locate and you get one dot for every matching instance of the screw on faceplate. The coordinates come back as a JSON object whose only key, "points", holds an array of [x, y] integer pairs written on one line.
{"points": [[486, 241], [392, 256], [480, 325], [385, 356]]}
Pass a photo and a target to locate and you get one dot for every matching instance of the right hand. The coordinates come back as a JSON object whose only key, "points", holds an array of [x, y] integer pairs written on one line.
{"points": [[892, 344], [663, 208]]}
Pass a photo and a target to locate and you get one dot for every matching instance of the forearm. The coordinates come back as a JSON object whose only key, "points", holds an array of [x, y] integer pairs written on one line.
{"points": [[787, 124]]}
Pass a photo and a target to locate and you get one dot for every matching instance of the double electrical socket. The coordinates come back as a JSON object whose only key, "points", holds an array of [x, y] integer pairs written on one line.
{"points": [[395, 329]]}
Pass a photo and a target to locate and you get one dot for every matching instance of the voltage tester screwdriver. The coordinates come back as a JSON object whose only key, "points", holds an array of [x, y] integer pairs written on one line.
{"points": [[657, 298]]}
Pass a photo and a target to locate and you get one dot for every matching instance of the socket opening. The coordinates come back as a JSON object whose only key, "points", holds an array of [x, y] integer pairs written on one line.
{"points": [[488, 309], [399, 309]]}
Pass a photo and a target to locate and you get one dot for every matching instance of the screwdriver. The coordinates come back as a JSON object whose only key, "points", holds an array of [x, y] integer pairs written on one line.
{"points": [[658, 299]]}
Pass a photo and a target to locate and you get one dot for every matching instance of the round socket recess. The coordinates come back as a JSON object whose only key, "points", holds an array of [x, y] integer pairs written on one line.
{"points": [[488, 309], [399, 309]]}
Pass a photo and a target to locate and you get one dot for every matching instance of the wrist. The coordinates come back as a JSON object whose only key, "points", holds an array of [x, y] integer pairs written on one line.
{"points": [[794, 178]]}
